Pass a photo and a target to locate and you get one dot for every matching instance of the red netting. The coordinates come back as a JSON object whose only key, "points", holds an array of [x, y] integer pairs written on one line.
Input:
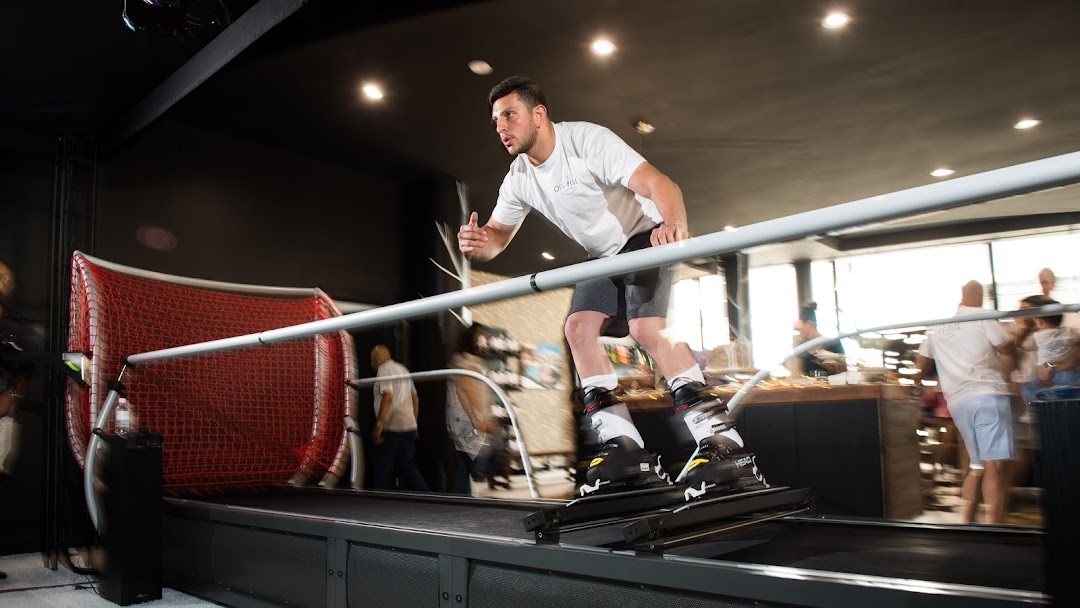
{"points": [[239, 418]]}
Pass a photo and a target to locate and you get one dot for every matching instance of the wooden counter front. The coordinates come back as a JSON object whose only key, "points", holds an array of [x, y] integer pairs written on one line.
{"points": [[854, 445], [770, 395]]}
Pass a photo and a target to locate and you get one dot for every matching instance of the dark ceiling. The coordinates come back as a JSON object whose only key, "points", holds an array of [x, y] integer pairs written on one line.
{"points": [[759, 111]]}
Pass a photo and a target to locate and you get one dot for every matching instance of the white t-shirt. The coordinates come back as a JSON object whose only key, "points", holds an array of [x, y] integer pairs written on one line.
{"points": [[583, 188], [401, 418], [968, 363], [1071, 320], [1053, 343]]}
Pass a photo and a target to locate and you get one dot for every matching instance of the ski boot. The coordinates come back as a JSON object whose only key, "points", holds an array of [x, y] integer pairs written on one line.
{"points": [[621, 464], [719, 464]]}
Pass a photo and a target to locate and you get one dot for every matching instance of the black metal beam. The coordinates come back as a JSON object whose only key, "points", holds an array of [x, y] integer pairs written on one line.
{"points": [[255, 22], [918, 234]]}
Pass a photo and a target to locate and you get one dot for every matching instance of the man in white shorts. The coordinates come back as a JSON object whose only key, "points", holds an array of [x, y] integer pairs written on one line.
{"points": [[974, 360], [602, 194]]}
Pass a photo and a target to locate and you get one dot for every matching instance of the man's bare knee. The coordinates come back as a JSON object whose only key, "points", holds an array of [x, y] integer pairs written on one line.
{"points": [[583, 326], [646, 332]]}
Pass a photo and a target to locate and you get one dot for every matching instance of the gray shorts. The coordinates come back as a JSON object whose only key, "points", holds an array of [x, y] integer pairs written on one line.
{"points": [[627, 296], [985, 422]]}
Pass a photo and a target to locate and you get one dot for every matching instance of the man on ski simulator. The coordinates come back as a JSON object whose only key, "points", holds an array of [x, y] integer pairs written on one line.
{"points": [[606, 197]]}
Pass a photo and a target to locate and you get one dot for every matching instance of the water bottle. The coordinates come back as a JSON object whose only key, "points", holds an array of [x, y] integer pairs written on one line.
{"points": [[124, 419]]}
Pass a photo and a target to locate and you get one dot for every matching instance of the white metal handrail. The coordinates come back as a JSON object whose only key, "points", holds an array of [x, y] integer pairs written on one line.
{"points": [[999, 183]]}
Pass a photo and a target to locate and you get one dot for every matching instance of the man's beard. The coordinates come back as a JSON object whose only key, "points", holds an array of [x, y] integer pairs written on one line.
{"points": [[529, 142]]}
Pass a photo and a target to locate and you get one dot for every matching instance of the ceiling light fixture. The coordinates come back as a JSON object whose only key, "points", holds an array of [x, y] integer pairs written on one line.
{"points": [[835, 20], [942, 172], [480, 67], [547, 256], [730, 228], [372, 91], [1027, 123], [643, 127], [603, 47]]}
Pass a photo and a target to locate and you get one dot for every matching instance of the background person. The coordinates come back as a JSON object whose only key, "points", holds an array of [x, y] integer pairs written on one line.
{"points": [[396, 408], [14, 384], [973, 361], [469, 418], [821, 360], [1057, 350]]}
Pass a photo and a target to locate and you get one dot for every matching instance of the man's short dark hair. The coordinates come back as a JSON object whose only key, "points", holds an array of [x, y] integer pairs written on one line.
{"points": [[528, 92], [1051, 320], [1036, 300]]}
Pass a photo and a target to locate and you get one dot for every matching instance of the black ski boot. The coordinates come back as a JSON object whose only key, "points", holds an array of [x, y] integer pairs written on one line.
{"points": [[719, 464], [621, 464]]}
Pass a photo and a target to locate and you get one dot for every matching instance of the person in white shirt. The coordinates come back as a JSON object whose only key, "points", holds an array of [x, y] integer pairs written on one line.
{"points": [[396, 408], [1057, 350], [605, 196], [1048, 282], [973, 361]]}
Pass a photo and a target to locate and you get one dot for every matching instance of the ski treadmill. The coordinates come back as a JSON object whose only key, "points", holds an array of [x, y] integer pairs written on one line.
{"points": [[346, 548], [311, 547]]}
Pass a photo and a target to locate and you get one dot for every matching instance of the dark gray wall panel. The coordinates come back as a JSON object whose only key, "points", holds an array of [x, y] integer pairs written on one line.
{"points": [[390, 578], [489, 586]]}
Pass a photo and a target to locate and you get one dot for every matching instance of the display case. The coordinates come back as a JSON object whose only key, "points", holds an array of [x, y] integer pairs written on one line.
{"points": [[502, 358]]}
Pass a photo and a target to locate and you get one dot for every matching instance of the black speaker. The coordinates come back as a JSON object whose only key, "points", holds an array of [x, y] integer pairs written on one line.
{"points": [[130, 518], [1059, 426]]}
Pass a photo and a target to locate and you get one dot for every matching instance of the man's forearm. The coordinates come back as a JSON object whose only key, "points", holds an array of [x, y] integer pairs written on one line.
{"points": [[669, 202], [384, 410], [649, 182]]}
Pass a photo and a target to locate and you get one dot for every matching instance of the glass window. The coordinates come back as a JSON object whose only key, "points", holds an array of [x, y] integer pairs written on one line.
{"points": [[823, 285], [698, 312], [773, 312], [684, 315], [913, 285], [1017, 263], [714, 319]]}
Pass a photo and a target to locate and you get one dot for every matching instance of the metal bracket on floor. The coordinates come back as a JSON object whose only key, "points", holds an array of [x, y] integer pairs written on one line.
{"points": [[704, 519], [593, 511]]}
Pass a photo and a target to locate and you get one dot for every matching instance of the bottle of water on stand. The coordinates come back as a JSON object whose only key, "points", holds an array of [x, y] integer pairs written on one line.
{"points": [[124, 418]]}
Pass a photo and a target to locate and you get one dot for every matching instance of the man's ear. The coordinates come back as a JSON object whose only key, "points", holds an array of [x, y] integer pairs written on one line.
{"points": [[540, 112]]}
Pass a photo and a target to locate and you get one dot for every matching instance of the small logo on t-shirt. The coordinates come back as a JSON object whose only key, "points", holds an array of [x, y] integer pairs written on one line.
{"points": [[567, 185]]}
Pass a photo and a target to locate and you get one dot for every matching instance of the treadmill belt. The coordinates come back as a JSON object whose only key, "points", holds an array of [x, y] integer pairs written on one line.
{"points": [[962, 556]]}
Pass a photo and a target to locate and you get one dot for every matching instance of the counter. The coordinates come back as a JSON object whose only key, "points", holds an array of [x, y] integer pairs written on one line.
{"points": [[854, 445]]}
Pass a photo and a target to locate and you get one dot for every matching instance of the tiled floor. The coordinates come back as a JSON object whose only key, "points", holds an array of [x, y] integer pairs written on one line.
{"points": [[29, 584], [1022, 508]]}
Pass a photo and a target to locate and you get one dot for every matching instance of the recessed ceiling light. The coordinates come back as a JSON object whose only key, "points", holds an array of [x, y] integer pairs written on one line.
{"points": [[603, 47], [480, 67], [372, 91], [643, 127], [835, 20], [1027, 123], [547, 256], [942, 172], [730, 228]]}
